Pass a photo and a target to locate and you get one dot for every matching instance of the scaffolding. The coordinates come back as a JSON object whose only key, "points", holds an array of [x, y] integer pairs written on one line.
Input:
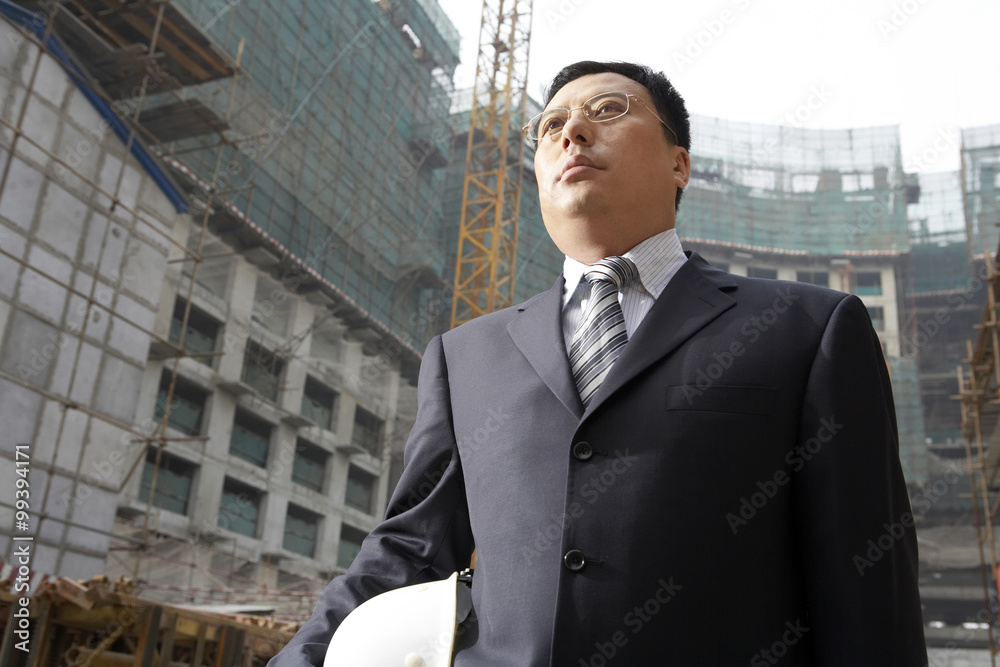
{"points": [[345, 177], [102, 623], [940, 246], [310, 139], [979, 391], [792, 190], [979, 379], [948, 297], [980, 178], [318, 142]]}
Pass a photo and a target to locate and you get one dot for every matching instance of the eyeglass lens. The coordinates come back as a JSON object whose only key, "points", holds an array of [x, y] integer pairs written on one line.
{"points": [[599, 108]]}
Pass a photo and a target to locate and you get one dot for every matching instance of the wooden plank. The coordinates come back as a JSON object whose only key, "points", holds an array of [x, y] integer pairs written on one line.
{"points": [[211, 58], [119, 39], [167, 641], [199, 650], [220, 620], [151, 632], [40, 648], [189, 627], [93, 619], [166, 46], [74, 592], [181, 120], [7, 645], [232, 647]]}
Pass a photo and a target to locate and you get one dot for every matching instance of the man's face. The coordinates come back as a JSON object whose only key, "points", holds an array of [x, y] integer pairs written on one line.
{"points": [[605, 187]]}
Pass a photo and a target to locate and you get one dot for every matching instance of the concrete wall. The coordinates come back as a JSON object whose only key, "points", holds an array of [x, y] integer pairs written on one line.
{"points": [[53, 346], [251, 307], [86, 470]]}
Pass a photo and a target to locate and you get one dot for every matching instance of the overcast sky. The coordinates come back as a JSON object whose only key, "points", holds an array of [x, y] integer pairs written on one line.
{"points": [[929, 66]]}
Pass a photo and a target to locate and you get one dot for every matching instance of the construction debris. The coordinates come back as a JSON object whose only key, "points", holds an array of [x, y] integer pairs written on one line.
{"points": [[101, 623]]}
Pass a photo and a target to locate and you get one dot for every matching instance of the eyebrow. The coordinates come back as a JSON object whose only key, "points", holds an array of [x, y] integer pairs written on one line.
{"points": [[596, 92]]}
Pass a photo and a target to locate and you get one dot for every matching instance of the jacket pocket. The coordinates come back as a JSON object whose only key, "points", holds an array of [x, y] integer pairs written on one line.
{"points": [[737, 400]]}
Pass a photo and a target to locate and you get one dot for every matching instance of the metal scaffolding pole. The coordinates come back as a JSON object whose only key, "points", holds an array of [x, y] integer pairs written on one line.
{"points": [[980, 396]]}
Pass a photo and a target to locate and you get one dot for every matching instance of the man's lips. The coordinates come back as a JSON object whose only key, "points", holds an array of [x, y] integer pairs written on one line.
{"points": [[575, 165]]}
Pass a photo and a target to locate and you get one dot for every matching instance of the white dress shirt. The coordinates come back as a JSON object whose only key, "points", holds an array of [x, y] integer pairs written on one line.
{"points": [[658, 258]]}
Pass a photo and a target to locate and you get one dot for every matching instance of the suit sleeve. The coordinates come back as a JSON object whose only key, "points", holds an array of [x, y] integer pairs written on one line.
{"points": [[859, 547], [425, 535]]}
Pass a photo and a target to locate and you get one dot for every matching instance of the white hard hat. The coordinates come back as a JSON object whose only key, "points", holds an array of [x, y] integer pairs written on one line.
{"points": [[413, 626]]}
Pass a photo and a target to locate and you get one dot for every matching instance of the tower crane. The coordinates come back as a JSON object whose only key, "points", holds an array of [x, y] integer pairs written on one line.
{"points": [[491, 193]]}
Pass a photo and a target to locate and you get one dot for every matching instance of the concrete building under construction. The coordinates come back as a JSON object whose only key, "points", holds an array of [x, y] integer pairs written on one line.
{"points": [[221, 256], [227, 230]]}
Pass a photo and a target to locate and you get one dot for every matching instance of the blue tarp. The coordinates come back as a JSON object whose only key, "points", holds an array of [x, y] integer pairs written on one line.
{"points": [[36, 24]]}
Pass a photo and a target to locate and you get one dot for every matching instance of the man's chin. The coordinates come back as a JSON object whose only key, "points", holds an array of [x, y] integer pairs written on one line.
{"points": [[579, 200]]}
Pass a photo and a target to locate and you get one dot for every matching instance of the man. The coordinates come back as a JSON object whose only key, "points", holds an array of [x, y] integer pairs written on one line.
{"points": [[706, 494]]}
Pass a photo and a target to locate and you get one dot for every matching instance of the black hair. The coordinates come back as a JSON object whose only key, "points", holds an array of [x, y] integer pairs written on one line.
{"points": [[669, 103]]}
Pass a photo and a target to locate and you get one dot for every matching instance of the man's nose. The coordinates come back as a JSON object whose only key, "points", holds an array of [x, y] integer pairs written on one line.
{"points": [[578, 129]]}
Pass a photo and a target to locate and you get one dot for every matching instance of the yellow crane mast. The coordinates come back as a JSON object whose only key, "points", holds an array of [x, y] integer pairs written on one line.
{"points": [[491, 193]]}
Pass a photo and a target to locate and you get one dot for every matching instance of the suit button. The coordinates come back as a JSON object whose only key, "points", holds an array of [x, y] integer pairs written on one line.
{"points": [[574, 560], [582, 451]]}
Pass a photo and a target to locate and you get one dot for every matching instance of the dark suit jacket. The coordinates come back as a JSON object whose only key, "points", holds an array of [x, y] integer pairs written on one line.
{"points": [[732, 495]]}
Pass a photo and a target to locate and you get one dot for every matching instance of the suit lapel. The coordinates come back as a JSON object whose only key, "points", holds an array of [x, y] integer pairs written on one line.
{"points": [[691, 300], [537, 332]]}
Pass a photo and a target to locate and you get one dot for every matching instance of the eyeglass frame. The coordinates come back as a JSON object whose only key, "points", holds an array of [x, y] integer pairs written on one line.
{"points": [[569, 113]]}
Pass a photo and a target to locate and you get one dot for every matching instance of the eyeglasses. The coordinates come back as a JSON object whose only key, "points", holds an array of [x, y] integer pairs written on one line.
{"points": [[598, 109]]}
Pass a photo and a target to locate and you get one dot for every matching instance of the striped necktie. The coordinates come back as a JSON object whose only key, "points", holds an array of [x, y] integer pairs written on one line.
{"points": [[601, 334]]}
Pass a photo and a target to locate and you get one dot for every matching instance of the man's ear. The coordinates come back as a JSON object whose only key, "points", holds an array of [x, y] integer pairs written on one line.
{"points": [[681, 167]]}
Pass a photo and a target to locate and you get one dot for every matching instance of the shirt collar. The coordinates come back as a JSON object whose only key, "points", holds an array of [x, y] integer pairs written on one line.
{"points": [[658, 258]]}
